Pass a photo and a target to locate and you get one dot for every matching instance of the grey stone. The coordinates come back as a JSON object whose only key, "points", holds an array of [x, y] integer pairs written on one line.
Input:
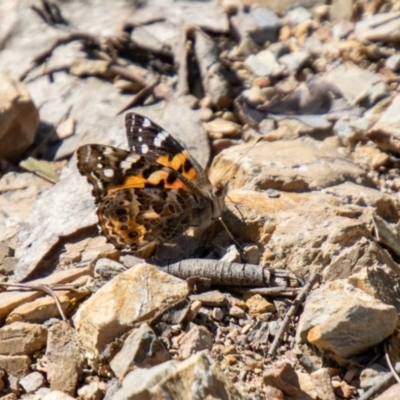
{"points": [[342, 29], [393, 62], [198, 377], [32, 382], [261, 25], [141, 349], [294, 61], [263, 63], [297, 15]]}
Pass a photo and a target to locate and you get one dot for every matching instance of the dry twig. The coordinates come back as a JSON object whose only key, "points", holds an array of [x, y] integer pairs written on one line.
{"points": [[292, 311], [44, 288], [140, 97]]}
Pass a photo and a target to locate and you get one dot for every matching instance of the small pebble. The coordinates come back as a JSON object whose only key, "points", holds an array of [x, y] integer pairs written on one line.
{"points": [[217, 314], [231, 359], [246, 329]]}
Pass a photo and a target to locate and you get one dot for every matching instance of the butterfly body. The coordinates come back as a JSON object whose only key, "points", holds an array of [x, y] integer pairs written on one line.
{"points": [[152, 193]]}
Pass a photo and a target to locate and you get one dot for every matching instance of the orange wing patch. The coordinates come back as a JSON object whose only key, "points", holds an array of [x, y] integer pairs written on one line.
{"points": [[181, 163], [157, 178]]}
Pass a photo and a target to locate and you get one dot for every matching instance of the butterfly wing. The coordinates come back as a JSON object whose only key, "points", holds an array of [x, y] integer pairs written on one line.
{"points": [[153, 142], [140, 201]]}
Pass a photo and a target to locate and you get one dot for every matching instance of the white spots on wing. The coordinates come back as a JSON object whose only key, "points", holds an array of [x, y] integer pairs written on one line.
{"points": [[98, 181], [108, 150], [140, 129], [146, 122], [139, 138], [109, 173], [145, 148], [127, 163], [161, 136], [100, 166]]}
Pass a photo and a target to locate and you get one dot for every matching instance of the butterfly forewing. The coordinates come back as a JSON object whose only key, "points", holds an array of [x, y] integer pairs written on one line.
{"points": [[150, 194]]}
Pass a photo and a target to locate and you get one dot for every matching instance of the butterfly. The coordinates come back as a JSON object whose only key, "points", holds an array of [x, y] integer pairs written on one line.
{"points": [[152, 193]]}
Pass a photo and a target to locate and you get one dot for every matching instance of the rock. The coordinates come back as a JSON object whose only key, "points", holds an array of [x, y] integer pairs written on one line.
{"points": [[107, 269], [136, 294], [141, 349], [322, 384], [236, 312], [288, 165], [44, 308], [221, 128], [260, 24], [22, 338], [212, 298], [385, 205], [386, 132], [7, 261], [393, 63], [337, 327], [379, 27], [379, 160], [371, 375], [217, 314], [296, 16], [294, 61], [65, 360], [390, 394], [284, 378], [57, 395], [19, 118], [257, 304], [196, 339], [351, 80], [272, 393], [199, 375], [342, 29], [9, 300], [341, 10], [32, 382], [90, 392], [263, 63], [231, 255], [17, 366]]}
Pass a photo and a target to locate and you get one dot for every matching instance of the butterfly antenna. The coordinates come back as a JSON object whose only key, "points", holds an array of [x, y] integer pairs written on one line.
{"points": [[230, 235]]}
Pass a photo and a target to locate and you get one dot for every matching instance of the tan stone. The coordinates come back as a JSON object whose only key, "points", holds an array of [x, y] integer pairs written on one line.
{"points": [[9, 300], [45, 308], [390, 394], [288, 165], [17, 366], [197, 338], [57, 395], [65, 359], [284, 378], [179, 380], [340, 326], [22, 338], [133, 296], [19, 118], [322, 384], [258, 304], [219, 128]]}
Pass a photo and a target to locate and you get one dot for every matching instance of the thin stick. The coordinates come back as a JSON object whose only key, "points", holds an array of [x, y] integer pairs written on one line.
{"points": [[390, 363], [382, 383], [292, 311], [140, 97], [43, 288]]}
